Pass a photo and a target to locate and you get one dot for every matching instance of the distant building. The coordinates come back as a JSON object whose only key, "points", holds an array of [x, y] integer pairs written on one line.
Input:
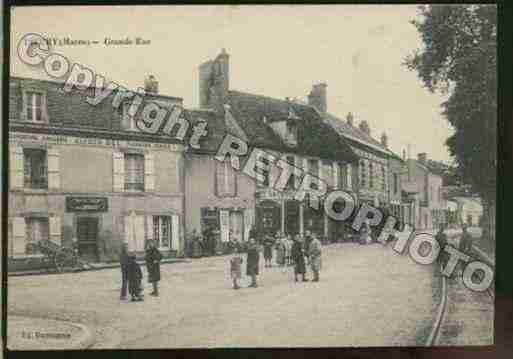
{"points": [[469, 210], [423, 189]]}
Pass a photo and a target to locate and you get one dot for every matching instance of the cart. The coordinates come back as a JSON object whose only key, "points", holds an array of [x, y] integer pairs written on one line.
{"points": [[56, 257]]}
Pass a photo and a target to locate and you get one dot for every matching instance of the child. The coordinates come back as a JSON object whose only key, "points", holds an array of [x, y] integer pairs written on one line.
{"points": [[235, 268], [134, 279]]}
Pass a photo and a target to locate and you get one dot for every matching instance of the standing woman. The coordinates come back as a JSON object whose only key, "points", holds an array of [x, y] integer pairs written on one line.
{"points": [[298, 256], [252, 262], [153, 258], [280, 250]]}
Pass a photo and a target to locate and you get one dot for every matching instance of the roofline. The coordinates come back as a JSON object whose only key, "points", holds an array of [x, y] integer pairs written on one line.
{"points": [[371, 145], [62, 82]]}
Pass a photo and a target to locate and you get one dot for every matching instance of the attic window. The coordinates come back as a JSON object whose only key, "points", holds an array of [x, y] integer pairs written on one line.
{"points": [[291, 135]]}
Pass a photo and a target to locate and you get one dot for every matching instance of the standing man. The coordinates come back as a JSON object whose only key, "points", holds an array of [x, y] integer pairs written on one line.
{"points": [[123, 261], [315, 251], [252, 262], [153, 258], [441, 238], [268, 250]]}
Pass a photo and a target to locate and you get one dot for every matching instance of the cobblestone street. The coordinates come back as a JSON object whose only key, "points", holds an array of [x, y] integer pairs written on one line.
{"points": [[368, 296]]}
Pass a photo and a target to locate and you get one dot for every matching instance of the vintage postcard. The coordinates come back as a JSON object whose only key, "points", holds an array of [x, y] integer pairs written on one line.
{"points": [[251, 176]]}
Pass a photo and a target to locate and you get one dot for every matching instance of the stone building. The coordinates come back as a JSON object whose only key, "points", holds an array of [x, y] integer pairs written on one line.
{"points": [[86, 173], [232, 203]]}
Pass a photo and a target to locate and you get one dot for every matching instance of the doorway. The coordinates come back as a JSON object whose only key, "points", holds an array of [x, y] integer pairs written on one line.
{"points": [[87, 236]]}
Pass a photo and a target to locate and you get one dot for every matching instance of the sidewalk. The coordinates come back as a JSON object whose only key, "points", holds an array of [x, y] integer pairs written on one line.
{"points": [[27, 333], [97, 266]]}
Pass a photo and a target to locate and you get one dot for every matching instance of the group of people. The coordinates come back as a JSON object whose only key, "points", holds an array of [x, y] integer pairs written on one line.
{"points": [[296, 251], [131, 273]]}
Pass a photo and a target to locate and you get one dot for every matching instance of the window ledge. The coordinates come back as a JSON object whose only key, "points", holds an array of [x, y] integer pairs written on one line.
{"points": [[27, 256]]}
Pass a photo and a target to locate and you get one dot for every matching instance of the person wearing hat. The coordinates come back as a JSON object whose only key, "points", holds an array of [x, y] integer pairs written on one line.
{"points": [[153, 258], [268, 250]]}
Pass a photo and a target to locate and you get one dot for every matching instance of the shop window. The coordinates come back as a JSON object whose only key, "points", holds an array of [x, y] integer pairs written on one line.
{"points": [[162, 231], [37, 229], [134, 172], [34, 106], [35, 168]]}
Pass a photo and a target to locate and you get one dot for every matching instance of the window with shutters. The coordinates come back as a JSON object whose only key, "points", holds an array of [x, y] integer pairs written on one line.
{"points": [[35, 169], [134, 172], [37, 229], [34, 106], [162, 231]]}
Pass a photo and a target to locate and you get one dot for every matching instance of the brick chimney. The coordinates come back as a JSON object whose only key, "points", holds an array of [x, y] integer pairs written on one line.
{"points": [[384, 140], [151, 85], [350, 119], [364, 127], [422, 157], [318, 97], [214, 80]]}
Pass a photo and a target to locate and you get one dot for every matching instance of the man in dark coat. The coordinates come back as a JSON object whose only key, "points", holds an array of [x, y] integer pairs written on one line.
{"points": [[298, 256], [441, 238], [134, 279], [252, 262], [123, 261], [153, 258], [466, 241]]}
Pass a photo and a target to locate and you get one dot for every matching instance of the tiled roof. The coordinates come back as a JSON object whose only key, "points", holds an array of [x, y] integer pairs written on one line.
{"points": [[315, 138], [353, 133]]}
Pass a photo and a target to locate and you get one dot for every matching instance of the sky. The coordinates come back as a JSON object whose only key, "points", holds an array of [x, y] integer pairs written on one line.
{"points": [[277, 51]]}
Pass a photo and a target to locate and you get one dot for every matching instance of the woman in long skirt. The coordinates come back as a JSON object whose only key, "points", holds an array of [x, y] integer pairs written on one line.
{"points": [[298, 255], [252, 262]]}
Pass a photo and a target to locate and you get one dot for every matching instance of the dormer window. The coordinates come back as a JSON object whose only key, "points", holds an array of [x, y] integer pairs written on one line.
{"points": [[291, 134]]}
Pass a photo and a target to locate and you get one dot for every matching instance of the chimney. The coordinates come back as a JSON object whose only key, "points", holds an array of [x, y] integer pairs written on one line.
{"points": [[151, 85], [318, 97], [214, 80], [422, 157], [384, 140], [349, 119], [364, 127]]}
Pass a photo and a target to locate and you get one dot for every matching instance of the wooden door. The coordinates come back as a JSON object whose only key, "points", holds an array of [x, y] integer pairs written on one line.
{"points": [[87, 235]]}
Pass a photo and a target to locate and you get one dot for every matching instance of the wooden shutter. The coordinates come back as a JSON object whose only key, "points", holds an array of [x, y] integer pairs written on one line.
{"points": [[149, 228], [139, 233], [224, 218], [54, 178], [54, 224], [149, 172], [220, 173], [129, 236], [16, 167], [118, 166], [175, 233], [336, 177], [19, 234]]}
